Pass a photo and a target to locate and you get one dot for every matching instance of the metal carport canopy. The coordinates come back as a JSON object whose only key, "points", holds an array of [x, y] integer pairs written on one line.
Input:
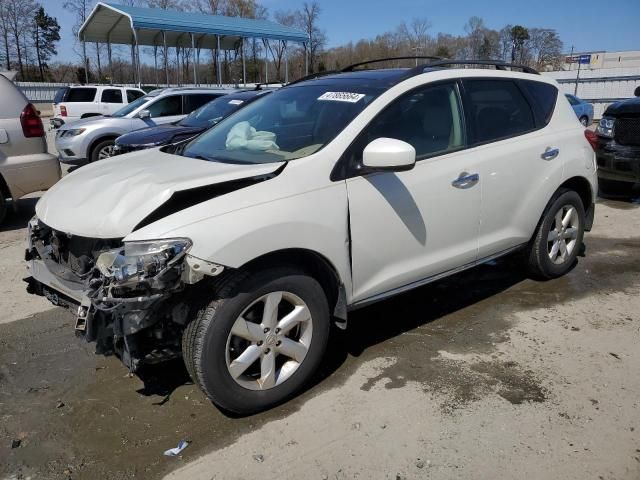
{"points": [[112, 23]]}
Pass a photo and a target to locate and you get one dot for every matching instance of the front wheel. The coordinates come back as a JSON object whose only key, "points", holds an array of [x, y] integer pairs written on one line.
{"points": [[102, 150], [3, 207], [558, 238], [584, 120], [258, 340]]}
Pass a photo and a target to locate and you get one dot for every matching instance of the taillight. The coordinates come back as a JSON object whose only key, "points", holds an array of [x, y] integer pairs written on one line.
{"points": [[31, 123], [592, 138], [63, 110]]}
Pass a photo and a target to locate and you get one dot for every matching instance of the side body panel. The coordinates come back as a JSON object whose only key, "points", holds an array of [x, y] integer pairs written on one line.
{"points": [[411, 225]]}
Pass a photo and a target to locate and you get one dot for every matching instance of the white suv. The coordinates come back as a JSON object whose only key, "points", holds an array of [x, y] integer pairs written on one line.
{"points": [[237, 249], [25, 165], [83, 101]]}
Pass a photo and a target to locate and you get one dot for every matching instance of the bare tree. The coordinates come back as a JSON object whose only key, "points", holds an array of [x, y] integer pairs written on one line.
{"points": [[308, 18], [278, 47], [19, 14], [544, 48], [5, 32], [416, 35]]}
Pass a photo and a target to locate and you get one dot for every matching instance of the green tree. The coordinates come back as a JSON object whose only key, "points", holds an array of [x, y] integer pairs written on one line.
{"points": [[519, 35], [46, 34]]}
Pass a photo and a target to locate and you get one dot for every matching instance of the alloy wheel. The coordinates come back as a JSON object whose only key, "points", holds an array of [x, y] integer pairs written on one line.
{"points": [[269, 341], [563, 234], [105, 152]]}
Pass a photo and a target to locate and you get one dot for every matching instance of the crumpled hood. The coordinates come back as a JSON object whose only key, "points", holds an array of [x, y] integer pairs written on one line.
{"points": [[107, 199], [160, 134]]}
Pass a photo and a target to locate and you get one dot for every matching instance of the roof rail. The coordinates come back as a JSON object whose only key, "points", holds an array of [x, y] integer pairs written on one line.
{"points": [[312, 76], [350, 68], [499, 64]]}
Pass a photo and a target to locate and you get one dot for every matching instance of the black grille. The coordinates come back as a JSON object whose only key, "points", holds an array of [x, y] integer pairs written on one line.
{"points": [[627, 131]]}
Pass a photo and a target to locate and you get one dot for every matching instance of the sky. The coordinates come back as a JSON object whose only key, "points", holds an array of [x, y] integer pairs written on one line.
{"points": [[584, 24]]}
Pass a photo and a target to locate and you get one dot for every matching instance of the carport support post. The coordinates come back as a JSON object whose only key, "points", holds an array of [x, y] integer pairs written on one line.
{"points": [[286, 62], [218, 70], [306, 59], [166, 60], [266, 61], [195, 60], [138, 59], [110, 59], [86, 61], [244, 65]]}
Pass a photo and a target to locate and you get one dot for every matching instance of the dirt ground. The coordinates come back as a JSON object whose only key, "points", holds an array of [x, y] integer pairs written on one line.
{"points": [[483, 375]]}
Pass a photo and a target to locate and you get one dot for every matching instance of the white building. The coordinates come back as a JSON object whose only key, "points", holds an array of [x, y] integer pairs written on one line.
{"points": [[602, 77]]}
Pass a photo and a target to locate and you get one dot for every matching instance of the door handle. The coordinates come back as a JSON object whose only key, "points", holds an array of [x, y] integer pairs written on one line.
{"points": [[466, 180], [550, 153]]}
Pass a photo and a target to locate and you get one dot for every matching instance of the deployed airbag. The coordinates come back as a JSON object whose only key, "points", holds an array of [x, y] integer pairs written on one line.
{"points": [[243, 135]]}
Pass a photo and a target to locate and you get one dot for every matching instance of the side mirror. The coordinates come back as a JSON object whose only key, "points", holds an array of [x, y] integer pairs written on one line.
{"points": [[144, 114], [636, 92], [389, 154]]}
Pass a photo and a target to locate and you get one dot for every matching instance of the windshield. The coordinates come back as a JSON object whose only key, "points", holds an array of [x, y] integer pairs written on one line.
{"points": [[124, 111], [291, 123], [212, 112]]}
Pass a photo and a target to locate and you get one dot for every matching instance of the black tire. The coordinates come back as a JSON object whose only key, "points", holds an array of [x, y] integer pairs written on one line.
{"points": [[95, 152], [614, 187], [584, 120], [204, 342], [3, 207], [540, 264]]}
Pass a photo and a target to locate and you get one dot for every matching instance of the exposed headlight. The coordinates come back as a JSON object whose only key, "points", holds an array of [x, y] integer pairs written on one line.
{"points": [[73, 132], [140, 260], [605, 127]]}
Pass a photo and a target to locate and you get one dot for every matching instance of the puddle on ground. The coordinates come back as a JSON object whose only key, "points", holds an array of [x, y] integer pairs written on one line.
{"points": [[77, 412]]}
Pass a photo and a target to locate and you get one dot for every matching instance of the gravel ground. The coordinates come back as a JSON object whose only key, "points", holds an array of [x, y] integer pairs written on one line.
{"points": [[484, 375]]}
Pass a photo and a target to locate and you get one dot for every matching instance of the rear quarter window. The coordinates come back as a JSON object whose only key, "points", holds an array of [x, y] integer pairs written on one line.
{"points": [[196, 100], [81, 95], [543, 96], [61, 93]]}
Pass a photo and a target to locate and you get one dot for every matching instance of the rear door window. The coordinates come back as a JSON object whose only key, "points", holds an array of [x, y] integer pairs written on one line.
{"points": [[133, 95], [497, 109], [112, 95], [196, 100], [166, 107], [76, 95]]}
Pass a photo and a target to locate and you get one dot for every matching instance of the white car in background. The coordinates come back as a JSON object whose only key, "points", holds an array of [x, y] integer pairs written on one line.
{"points": [[25, 165], [93, 138], [83, 101], [237, 250]]}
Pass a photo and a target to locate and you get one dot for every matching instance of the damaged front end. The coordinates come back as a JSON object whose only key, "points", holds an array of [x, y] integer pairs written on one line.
{"points": [[130, 296]]}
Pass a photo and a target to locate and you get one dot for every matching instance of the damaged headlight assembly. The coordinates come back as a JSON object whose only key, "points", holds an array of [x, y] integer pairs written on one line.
{"points": [[142, 260]]}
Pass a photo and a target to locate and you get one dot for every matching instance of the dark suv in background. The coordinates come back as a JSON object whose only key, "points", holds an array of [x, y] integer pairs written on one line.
{"points": [[618, 149]]}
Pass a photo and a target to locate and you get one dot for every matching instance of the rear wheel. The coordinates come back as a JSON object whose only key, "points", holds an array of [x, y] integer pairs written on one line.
{"points": [[258, 340], [558, 239], [584, 120], [102, 150]]}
